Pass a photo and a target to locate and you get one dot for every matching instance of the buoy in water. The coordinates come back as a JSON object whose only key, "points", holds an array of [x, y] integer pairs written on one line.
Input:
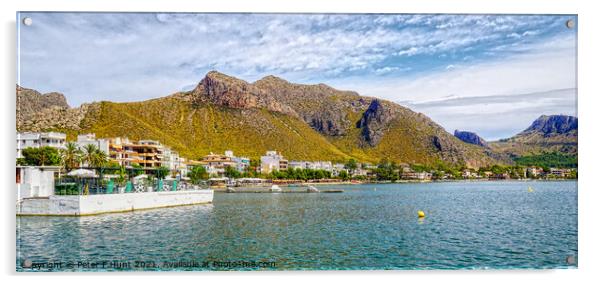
{"points": [[420, 214], [530, 189]]}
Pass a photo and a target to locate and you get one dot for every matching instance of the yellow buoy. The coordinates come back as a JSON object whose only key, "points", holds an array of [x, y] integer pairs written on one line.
{"points": [[420, 214], [530, 189]]}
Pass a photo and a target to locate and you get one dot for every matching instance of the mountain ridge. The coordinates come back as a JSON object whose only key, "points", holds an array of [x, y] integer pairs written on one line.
{"points": [[314, 122], [548, 133]]}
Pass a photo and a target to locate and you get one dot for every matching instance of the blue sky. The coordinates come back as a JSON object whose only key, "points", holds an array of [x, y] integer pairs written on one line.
{"points": [[489, 74]]}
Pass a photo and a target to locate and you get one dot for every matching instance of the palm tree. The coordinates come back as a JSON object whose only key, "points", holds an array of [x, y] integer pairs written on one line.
{"points": [[100, 158], [89, 152], [71, 156]]}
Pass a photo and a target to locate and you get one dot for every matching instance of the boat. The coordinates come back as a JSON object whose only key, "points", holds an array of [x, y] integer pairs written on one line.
{"points": [[312, 188], [275, 188]]}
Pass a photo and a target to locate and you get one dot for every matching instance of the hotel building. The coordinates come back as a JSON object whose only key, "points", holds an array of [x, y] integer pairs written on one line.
{"points": [[273, 161], [37, 139]]}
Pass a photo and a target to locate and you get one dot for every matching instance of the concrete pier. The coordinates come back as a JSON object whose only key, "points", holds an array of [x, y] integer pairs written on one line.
{"points": [[82, 205]]}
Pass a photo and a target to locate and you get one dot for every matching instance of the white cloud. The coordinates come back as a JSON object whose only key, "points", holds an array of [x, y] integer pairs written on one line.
{"points": [[502, 116], [543, 67], [409, 52], [91, 51], [130, 57]]}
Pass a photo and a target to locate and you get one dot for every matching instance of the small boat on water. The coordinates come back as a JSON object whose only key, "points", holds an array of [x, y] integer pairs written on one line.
{"points": [[275, 188], [312, 188], [230, 189]]}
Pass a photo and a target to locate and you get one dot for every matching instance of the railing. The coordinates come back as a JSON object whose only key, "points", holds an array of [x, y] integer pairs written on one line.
{"points": [[91, 186]]}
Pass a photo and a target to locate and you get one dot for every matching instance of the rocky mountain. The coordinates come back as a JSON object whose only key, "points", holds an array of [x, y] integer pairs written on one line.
{"points": [[374, 122], [552, 125], [553, 133], [311, 122], [470, 137], [36, 112]]}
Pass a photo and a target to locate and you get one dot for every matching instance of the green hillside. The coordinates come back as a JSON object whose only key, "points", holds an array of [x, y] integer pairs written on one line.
{"points": [[548, 160], [196, 131]]}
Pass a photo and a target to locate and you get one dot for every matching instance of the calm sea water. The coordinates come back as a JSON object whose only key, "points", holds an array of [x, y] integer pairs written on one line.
{"points": [[467, 225]]}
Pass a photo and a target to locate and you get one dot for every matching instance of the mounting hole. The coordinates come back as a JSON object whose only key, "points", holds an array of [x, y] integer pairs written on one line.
{"points": [[27, 21], [570, 24]]}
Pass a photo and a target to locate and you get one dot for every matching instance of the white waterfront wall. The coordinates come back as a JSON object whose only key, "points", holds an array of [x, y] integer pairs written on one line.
{"points": [[78, 205]]}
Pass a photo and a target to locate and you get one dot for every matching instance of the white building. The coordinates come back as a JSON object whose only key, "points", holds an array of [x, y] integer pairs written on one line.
{"points": [[273, 161], [90, 139], [37, 139], [535, 171], [242, 163], [323, 165], [469, 174], [299, 165], [415, 175], [311, 165], [171, 159], [35, 181]]}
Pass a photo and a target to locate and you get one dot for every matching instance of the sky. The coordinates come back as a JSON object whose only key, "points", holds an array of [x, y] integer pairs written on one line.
{"points": [[490, 74]]}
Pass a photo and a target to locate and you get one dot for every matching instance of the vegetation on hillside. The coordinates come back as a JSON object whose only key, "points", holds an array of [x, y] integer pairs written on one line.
{"points": [[548, 160], [196, 131]]}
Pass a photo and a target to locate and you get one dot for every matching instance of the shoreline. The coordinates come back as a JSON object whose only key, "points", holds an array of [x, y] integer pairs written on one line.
{"points": [[428, 181], [302, 184]]}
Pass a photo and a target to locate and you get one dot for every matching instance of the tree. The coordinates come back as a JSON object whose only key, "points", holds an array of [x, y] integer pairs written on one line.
{"points": [[231, 172], [137, 169], [88, 154], [437, 175], [387, 170], [343, 175], [320, 174], [121, 175], [197, 174], [43, 156], [254, 165], [94, 157], [420, 168], [113, 166], [100, 158], [162, 172], [351, 165], [71, 156]]}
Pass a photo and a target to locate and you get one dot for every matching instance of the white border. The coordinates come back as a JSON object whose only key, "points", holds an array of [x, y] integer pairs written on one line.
{"points": [[589, 114]]}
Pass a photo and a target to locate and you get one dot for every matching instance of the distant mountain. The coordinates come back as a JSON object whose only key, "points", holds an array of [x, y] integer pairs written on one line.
{"points": [[470, 137], [553, 133], [553, 125], [31, 100], [312, 122], [37, 112]]}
